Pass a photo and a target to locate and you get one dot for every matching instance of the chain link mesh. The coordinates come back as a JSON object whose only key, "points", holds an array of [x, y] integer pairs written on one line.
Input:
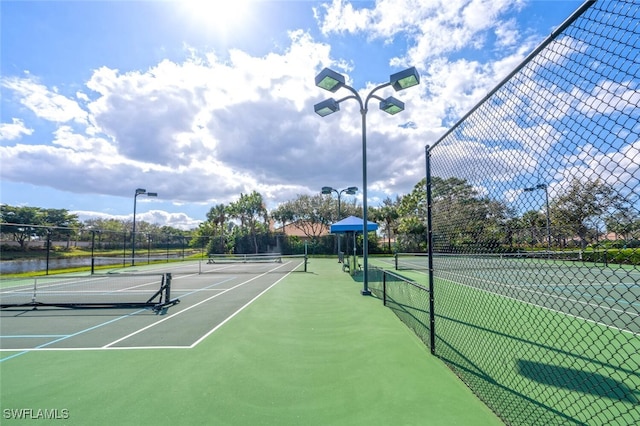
{"points": [[535, 232], [406, 298]]}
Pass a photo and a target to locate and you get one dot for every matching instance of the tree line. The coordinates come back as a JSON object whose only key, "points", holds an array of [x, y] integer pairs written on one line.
{"points": [[463, 219], [25, 225], [581, 214]]}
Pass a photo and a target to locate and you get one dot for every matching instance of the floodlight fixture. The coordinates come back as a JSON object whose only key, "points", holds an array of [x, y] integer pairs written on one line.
{"points": [[545, 188], [139, 191], [350, 191], [326, 107], [405, 79], [333, 81], [392, 105], [533, 188], [330, 80]]}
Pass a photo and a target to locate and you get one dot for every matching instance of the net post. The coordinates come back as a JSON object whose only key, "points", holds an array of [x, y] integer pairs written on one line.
{"points": [[395, 259], [305, 262], [167, 290], [35, 289], [93, 262]]}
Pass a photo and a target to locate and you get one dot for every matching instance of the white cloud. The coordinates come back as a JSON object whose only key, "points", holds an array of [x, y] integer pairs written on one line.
{"points": [[609, 97], [620, 169], [45, 102], [432, 28], [14, 130], [341, 16], [201, 139], [507, 34], [201, 131], [154, 217], [204, 129], [480, 162]]}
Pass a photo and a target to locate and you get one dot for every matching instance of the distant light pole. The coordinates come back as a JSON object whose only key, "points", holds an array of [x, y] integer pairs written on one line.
{"points": [[333, 81], [148, 249], [546, 193], [139, 191], [93, 243], [350, 190]]}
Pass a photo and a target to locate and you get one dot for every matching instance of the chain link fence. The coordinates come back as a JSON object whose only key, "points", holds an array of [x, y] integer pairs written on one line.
{"points": [[534, 211], [29, 248]]}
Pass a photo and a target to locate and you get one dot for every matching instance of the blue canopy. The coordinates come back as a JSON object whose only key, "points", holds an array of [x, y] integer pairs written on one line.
{"points": [[352, 224]]}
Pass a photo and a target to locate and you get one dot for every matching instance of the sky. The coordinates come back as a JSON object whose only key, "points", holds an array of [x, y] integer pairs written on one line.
{"points": [[201, 101]]}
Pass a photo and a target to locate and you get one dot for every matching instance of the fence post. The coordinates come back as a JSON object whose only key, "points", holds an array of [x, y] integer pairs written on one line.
{"points": [[384, 288], [432, 318]]}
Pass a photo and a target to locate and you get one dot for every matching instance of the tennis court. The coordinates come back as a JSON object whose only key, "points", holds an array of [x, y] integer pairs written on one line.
{"points": [[121, 308], [552, 337], [609, 295], [308, 350]]}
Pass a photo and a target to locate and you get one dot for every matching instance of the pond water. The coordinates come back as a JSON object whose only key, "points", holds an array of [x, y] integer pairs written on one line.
{"points": [[34, 265]]}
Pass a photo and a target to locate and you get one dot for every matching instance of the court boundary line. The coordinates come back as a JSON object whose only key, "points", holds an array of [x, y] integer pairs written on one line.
{"points": [[540, 306], [543, 289], [204, 301], [197, 342], [109, 346], [421, 272], [182, 311], [43, 347]]}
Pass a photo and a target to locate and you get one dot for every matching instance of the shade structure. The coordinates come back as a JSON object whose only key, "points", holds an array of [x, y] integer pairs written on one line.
{"points": [[352, 224]]}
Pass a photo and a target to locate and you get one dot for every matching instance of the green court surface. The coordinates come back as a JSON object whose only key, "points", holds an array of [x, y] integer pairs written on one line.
{"points": [[555, 345], [310, 350]]}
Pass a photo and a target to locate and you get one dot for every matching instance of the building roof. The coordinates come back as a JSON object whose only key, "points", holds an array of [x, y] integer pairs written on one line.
{"points": [[295, 229]]}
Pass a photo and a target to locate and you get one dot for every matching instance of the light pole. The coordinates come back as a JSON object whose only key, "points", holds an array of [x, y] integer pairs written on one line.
{"points": [[333, 81], [546, 194], [93, 243], [350, 190], [139, 191]]}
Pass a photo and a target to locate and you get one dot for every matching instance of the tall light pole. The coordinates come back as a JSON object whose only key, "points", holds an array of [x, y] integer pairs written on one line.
{"points": [[350, 190], [546, 193], [333, 81], [139, 191]]}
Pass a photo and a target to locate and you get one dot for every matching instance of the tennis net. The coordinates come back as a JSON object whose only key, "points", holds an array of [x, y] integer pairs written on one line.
{"points": [[253, 263], [484, 261], [94, 291]]}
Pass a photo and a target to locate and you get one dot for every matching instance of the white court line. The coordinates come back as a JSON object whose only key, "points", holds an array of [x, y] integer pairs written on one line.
{"points": [[541, 306], [236, 313], [109, 346], [63, 337], [200, 303], [177, 313]]}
